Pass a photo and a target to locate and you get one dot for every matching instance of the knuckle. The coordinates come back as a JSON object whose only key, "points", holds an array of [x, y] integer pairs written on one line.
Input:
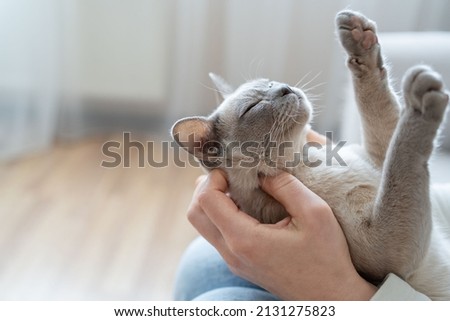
{"points": [[239, 267], [246, 249], [321, 214], [193, 214], [202, 198], [234, 267], [234, 263], [239, 247], [194, 211], [322, 208], [200, 180], [236, 246]]}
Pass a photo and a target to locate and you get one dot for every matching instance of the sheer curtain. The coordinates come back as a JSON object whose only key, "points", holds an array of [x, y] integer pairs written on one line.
{"points": [[71, 68], [29, 74]]}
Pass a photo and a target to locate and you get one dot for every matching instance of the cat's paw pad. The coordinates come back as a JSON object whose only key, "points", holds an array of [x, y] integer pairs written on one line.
{"points": [[356, 33], [423, 90]]}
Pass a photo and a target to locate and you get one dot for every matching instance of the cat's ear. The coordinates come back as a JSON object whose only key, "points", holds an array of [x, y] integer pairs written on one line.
{"points": [[223, 88], [193, 134]]}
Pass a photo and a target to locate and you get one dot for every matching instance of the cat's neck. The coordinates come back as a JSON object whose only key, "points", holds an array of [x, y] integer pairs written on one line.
{"points": [[289, 158]]}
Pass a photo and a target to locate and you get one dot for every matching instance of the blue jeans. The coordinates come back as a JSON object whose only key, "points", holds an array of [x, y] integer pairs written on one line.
{"points": [[204, 276]]}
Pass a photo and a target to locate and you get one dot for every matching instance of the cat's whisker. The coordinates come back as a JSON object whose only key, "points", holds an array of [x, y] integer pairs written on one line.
{"points": [[310, 81], [295, 121], [301, 79], [244, 77], [314, 101], [253, 72], [218, 95], [313, 87], [309, 93], [314, 98], [258, 67], [317, 109], [250, 72], [211, 88]]}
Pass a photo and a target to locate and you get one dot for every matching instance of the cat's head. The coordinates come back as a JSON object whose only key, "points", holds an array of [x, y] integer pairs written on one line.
{"points": [[259, 114]]}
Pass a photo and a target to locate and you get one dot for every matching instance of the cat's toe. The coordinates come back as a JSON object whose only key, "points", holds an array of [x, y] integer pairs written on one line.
{"points": [[356, 32], [423, 90], [358, 36]]}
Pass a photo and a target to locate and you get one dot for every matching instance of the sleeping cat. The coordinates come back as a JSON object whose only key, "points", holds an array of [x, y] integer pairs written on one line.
{"points": [[380, 197]]}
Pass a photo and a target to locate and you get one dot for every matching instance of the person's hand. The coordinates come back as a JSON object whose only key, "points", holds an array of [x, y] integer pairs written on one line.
{"points": [[314, 137], [303, 257]]}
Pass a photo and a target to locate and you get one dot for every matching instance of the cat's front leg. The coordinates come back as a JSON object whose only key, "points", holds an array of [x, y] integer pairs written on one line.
{"points": [[377, 102], [402, 216]]}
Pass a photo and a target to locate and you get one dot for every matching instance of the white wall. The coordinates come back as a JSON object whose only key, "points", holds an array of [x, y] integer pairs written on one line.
{"points": [[124, 48]]}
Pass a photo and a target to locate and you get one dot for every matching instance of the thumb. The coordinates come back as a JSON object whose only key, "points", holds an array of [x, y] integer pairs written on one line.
{"points": [[298, 200]]}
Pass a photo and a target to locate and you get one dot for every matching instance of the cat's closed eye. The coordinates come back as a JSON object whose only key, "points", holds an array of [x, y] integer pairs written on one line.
{"points": [[249, 107]]}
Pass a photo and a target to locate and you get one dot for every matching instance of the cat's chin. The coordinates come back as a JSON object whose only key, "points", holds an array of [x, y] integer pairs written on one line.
{"points": [[297, 116]]}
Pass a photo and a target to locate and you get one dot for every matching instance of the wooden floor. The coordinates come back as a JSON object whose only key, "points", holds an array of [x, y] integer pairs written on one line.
{"points": [[72, 230]]}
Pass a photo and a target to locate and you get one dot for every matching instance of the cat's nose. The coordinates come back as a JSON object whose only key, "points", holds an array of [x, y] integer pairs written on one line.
{"points": [[285, 90]]}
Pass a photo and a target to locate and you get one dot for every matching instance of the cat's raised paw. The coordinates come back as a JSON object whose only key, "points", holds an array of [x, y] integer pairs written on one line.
{"points": [[356, 32], [358, 37], [423, 90]]}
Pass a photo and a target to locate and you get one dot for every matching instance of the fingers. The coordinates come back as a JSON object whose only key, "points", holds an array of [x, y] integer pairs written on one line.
{"points": [[216, 217], [221, 210], [200, 179], [296, 198], [197, 216]]}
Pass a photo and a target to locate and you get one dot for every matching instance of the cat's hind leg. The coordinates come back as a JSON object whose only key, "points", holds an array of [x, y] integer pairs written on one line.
{"points": [[402, 213], [378, 105]]}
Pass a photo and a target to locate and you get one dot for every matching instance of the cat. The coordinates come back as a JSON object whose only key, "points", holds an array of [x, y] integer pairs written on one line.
{"points": [[380, 198]]}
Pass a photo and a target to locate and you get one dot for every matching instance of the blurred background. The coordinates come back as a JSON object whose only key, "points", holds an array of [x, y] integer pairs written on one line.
{"points": [[75, 74]]}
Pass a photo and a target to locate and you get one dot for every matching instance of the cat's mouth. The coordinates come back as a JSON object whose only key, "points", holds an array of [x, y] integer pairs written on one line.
{"points": [[293, 102], [289, 92], [293, 94], [295, 111], [299, 97]]}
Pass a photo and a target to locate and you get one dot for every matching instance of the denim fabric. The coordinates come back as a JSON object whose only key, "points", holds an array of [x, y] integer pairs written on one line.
{"points": [[204, 275]]}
